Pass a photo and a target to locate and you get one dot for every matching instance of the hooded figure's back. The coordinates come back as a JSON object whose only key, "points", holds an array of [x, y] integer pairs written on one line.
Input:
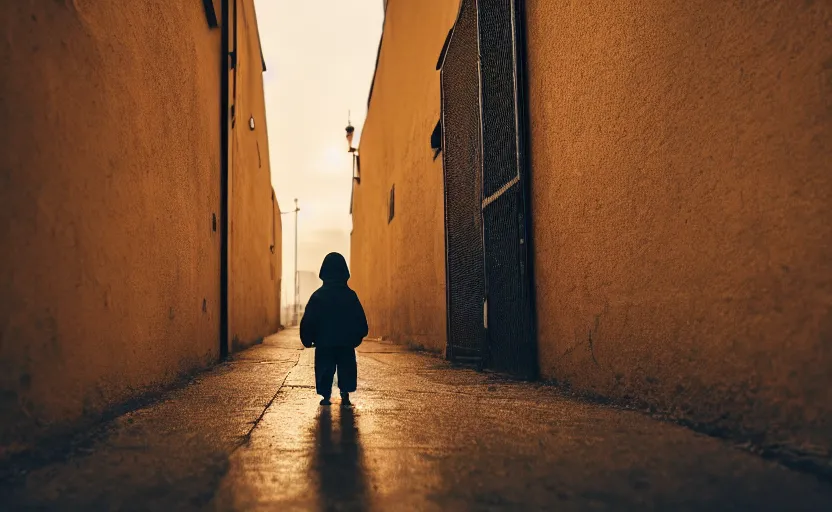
{"points": [[334, 316]]}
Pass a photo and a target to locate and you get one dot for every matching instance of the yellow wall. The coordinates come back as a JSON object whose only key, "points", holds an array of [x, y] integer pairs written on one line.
{"points": [[682, 204], [109, 178], [254, 286], [399, 268]]}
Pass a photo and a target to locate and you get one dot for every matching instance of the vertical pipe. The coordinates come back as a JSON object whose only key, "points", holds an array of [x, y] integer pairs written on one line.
{"points": [[274, 225], [449, 348], [224, 174], [297, 291], [485, 348], [523, 121]]}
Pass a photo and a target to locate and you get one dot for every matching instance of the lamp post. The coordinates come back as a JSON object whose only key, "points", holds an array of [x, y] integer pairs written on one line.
{"points": [[354, 151], [350, 133], [297, 290]]}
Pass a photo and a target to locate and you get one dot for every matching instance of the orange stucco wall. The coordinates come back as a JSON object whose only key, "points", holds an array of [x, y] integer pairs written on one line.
{"points": [[254, 286], [109, 181], [682, 204], [399, 268]]}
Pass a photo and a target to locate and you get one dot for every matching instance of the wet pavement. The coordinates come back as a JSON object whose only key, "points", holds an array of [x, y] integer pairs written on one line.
{"points": [[250, 435]]}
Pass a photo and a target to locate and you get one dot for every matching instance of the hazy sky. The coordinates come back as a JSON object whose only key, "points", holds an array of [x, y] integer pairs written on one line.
{"points": [[320, 56]]}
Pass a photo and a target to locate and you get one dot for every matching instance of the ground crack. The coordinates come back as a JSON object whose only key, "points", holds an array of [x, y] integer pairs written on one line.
{"points": [[247, 438]]}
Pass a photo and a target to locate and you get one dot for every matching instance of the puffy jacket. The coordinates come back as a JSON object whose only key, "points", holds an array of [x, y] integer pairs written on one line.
{"points": [[334, 316]]}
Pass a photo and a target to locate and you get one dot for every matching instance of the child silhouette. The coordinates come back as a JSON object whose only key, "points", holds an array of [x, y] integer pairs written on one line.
{"points": [[335, 324]]}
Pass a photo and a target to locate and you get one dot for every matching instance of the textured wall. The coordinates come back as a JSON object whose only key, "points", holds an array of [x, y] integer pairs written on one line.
{"points": [[109, 181], [399, 268], [683, 207], [254, 275]]}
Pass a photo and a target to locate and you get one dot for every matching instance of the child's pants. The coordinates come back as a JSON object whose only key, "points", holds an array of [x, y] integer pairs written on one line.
{"points": [[327, 360]]}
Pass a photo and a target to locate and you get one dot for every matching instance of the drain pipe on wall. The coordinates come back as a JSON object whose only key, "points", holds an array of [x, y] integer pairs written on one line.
{"points": [[524, 148], [225, 123]]}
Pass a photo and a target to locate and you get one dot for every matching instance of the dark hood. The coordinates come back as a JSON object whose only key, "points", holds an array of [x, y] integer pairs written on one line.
{"points": [[334, 269]]}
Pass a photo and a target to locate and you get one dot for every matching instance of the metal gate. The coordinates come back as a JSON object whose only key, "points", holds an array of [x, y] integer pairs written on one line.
{"points": [[497, 170], [464, 264]]}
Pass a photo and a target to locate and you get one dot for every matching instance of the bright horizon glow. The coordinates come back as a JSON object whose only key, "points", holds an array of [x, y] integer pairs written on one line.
{"points": [[334, 159], [320, 57]]}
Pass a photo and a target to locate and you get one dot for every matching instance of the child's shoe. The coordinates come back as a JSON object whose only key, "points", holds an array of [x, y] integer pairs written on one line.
{"points": [[345, 400], [326, 401]]}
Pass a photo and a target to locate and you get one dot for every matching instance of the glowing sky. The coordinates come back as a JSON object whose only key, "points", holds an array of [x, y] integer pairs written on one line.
{"points": [[320, 56]]}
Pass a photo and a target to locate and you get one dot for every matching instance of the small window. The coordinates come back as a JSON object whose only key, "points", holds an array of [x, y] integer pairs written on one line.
{"points": [[391, 205], [436, 139], [356, 168], [211, 13]]}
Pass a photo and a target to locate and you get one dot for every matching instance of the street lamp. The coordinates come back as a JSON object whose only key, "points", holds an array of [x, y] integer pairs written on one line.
{"points": [[297, 290], [350, 134], [356, 163]]}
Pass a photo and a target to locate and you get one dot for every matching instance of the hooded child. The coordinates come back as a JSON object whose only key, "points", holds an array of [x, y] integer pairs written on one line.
{"points": [[335, 324]]}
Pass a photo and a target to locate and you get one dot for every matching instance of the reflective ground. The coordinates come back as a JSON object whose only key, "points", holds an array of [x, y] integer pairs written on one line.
{"points": [[250, 435]]}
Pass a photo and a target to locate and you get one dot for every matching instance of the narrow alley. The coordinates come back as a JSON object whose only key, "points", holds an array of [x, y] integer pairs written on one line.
{"points": [[249, 435], [618, 212]]}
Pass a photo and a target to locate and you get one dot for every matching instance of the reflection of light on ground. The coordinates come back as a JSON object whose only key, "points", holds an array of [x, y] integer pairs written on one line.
{"points": [[300, 456], [275, 465], [423, 436], [305, 457]]}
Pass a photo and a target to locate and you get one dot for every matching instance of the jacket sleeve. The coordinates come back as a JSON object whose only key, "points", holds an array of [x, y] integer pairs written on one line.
{"points": [[308, 324], [361, 327]]}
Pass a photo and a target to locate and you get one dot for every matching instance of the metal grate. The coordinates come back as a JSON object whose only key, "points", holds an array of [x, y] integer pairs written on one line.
{"points": [[510, 337], [463, 188], [485, 202]]}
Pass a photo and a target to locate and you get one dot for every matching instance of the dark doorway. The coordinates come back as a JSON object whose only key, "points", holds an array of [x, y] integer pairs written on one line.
{"points": [[487, 245]]}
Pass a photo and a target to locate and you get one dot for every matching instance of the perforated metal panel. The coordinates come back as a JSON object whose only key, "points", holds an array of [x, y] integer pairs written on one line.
{"points": [[510, 338], [463, 189], [485, 200]]}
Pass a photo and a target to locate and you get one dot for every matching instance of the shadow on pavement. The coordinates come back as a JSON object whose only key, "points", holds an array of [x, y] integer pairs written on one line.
{"points": [[339, 465]]}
